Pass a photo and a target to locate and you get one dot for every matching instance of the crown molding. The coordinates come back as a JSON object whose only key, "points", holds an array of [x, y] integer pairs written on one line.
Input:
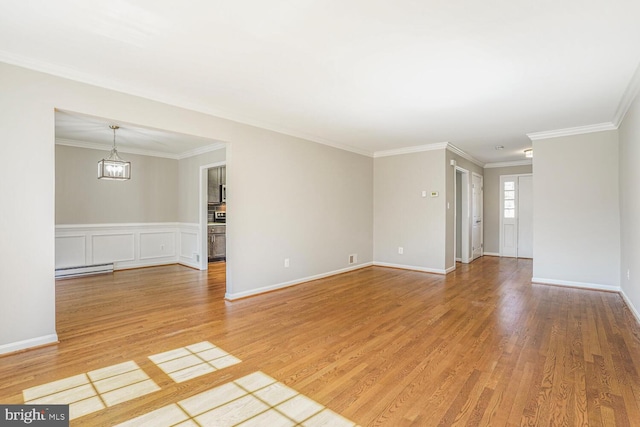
{"points": [[82, 77], [107, 147], [202, 150], [414, 149], [464, 155], [535, 136], [508, 164], [632, 90]]}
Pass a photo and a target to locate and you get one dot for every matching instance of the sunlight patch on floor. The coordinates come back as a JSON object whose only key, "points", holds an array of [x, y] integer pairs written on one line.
{"points": [[95, 390], [192, 361], [253, 400]]}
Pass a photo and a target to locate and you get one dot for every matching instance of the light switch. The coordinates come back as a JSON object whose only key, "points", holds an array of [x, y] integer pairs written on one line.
{"points": [[424, 193]]}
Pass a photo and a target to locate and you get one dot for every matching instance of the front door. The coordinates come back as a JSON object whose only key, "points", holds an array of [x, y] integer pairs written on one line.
{"points": [[516, 210], [476, 212]]}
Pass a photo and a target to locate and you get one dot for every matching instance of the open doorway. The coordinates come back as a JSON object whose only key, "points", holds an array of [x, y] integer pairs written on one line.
{"points": [[462, 230], [213, 213]]}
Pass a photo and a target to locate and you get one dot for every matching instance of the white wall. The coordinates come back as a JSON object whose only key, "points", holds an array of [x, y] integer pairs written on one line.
{"points": [[290, 197], [576, 210], [403, 218], [629, 133]]}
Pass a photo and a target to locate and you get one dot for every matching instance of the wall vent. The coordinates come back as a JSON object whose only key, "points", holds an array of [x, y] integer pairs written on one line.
{"points": [[83, 270]]}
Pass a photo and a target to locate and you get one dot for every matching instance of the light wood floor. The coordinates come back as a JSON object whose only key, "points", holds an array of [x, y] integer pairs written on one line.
{"points": [[380, 346]]}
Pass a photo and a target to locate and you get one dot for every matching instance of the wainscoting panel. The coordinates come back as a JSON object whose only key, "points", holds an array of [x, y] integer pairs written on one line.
{"points": [[112, 248], [157, 245], [71, 251], [127, 245]]}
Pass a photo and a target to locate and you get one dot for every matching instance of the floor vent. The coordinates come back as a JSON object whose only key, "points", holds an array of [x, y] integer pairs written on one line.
{"points": [[84, 270]]}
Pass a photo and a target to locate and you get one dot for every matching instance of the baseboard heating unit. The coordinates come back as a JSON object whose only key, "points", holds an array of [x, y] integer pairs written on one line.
{"points": [[83, 270]]}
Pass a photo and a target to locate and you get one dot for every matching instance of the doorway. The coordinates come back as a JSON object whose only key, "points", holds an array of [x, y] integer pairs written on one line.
{"points": [[462, 218], [477, 233], [516, 216]]}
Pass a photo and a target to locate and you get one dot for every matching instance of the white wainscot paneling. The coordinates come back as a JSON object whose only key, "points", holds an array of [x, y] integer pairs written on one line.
{"points": [[112, 248], [127, 245], [188, 244], [70, 251], [157, 244]]}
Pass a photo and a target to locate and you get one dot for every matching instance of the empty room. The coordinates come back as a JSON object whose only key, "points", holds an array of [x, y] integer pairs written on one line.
{"points": [[320, 213]]}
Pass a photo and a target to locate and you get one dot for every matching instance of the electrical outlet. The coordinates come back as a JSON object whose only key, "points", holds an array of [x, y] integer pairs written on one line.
{"points": [[400, 250], [286, 262], [197, 257], [353, 258]]}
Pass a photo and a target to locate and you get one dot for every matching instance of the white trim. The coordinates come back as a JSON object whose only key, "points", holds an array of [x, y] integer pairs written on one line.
{"points": [[582, 285], [450, 269], [142, 152], [630, 305], [410, 267], [481, 215], [627, 98], [118, 86], [409, 150], [201, 150], [491, 254], [535, 136], [464, 154], [32, 342], [172, 230], [509, 164], [238, 295], [458, 259], [428, 147]]}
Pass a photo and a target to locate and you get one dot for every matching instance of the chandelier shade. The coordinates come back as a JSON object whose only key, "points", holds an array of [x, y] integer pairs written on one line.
{"points": [[113, 167]]}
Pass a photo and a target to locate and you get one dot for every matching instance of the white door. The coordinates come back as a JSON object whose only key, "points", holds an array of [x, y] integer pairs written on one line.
{"points": [[476, 215], [525, 216], [508, 221], [516, 216]]}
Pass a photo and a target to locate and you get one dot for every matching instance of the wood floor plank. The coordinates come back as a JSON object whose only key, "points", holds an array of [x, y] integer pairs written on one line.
{"points": [[481, 346]]}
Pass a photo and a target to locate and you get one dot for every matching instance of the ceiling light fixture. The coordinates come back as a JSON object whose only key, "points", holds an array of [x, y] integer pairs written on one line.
{"points": [[499, 147], [528, 153], [113, 167]]}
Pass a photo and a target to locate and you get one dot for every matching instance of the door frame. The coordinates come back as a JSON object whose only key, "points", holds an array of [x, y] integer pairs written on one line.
{"points": [[465, 226], [202, 209], [474, 174], [516, 176]]}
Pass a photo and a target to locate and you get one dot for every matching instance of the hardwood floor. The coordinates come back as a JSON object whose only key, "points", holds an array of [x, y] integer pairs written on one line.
{"points": [[379, 346]]}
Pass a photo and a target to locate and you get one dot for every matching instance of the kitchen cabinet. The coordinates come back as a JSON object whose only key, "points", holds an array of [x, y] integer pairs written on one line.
{"points": [[217, 181], [217, 240]]}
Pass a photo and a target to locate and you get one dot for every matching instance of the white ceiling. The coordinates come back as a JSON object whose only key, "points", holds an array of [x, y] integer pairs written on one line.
{"points": [[371, 75], [94, 132]]}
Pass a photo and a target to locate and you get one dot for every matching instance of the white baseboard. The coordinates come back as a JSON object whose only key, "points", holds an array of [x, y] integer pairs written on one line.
{"points": [[238, 295], [491, 253], [450, 269], [582, 285], [458, 259], [32, 342], [630, 305], [414, 268]]}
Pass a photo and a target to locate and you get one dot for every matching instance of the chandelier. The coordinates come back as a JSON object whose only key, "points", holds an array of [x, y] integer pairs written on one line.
{"points": [[113, 167]]}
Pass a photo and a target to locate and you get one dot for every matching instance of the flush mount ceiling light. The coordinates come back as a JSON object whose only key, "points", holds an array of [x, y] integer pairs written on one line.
{"points": [[499, 147], [528, 153], [113, 167]]}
